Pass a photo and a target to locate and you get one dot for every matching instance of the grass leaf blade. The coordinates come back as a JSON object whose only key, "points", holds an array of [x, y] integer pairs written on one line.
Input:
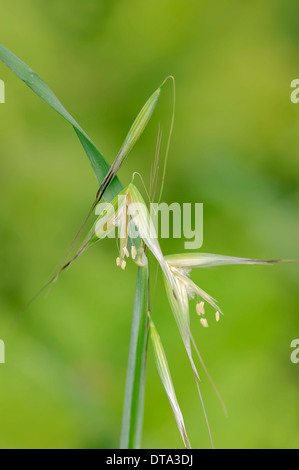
{"points": [[38, 86]]}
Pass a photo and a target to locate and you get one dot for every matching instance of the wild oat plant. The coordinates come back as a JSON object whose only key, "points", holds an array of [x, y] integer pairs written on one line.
{"points": [[125, 215]]}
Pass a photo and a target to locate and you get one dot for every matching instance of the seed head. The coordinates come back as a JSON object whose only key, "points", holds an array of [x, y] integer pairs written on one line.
{"points": [[204, 322]]}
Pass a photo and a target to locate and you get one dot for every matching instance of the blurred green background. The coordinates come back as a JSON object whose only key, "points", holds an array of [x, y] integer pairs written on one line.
{"points": [[235, 148]]}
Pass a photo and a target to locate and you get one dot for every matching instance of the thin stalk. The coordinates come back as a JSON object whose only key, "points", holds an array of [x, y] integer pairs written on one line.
{"points": [[132, 419]]}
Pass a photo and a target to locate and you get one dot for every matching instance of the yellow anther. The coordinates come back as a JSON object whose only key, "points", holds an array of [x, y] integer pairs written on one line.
{"points": [[200, 308], [133, 252], [125, 250]]}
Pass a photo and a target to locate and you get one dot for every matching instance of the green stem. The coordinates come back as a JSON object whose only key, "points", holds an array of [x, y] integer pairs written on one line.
{"points": [[134, 393]]}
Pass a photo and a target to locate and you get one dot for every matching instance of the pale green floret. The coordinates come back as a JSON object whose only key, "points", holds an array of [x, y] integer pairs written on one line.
{"points": [[208, 260], [137, 127], [182, 264], [141, 217], [164, 373]]}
